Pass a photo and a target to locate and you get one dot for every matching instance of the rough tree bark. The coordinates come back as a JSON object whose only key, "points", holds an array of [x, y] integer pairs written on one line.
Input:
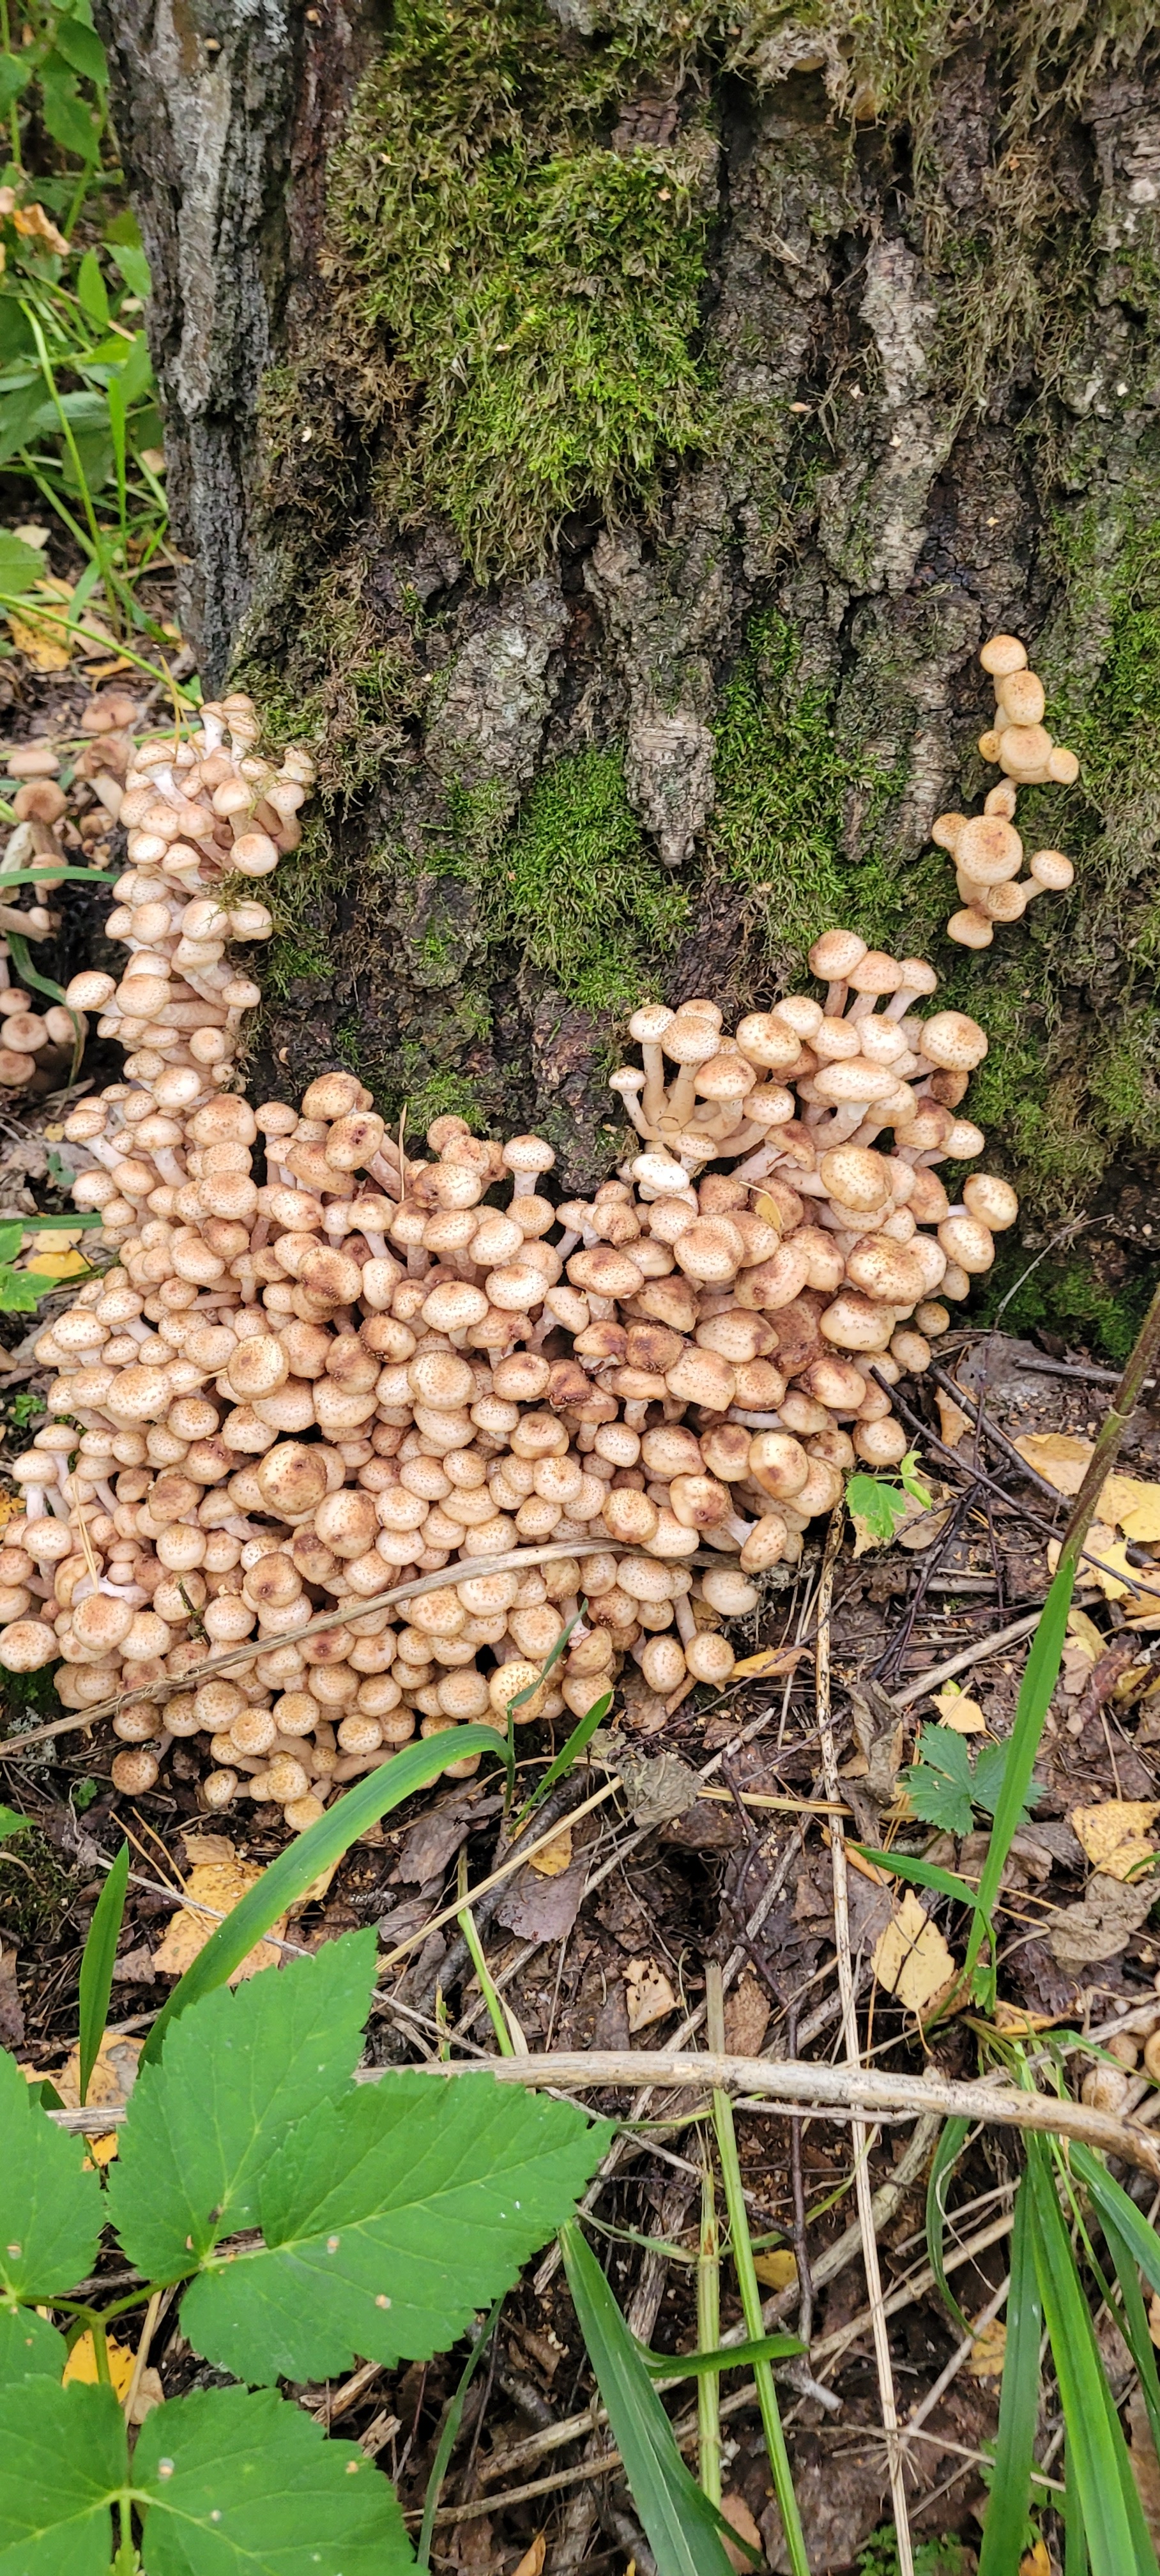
{"points": [[651, 726]]}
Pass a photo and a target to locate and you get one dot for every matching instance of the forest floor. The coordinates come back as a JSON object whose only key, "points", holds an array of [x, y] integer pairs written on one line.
{"points": [[711, 1847]]}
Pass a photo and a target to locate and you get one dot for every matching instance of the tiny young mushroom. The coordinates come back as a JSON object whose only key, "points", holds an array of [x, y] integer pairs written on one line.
{"points": [[987, 851]]}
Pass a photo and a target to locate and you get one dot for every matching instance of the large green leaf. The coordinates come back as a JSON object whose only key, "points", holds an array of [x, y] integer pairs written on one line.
{"points": [[680, 2524], [1109, 2500], [98, 1960], [241, 2485], [82, 48], [29, 2347], [62, 2461], [20, 565], [238, 2071], [50, 2209], [389, 2218]]}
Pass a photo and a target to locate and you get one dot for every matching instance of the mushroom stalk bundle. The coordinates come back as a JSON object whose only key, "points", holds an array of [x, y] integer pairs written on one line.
{"points": [[320, 1368], [986, 848]]}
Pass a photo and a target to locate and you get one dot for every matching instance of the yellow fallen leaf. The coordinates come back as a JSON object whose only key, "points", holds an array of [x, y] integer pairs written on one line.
{"points": [[532, 2562], [35, 225], [62, 1264], [766, 1207], [768, 1661], [952, 1419], [911, 1959], [957, 1710], [1058, 1456], [44, 643], [1083, 1634], [648, 1993], [1114, 1575], [988, 2352], [555, 1857], [1115, 1834], [777, 2268], [219, 1885], [82, 2365], [111, 2082], [1036, 2561]]}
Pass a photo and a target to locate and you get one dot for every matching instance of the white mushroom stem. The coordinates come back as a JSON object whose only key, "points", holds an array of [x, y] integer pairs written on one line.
{"points": [[835, 1002]]}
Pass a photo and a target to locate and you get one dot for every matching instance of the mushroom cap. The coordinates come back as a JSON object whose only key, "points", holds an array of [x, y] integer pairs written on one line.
{"points": [[1024, 750], [701, 1377], [689, 1039], [738, 1336], [953, 1039], [945, 830], [778, 1463], [453, 1305], [628, 1080], [629, 1516], [918, 976], [712, 1249], [528, 1154], [649, 1023], [992, 1200], [854, 1323], [1003, 902], [1062, 765], [834, 954], [764, 1038], [658, 1172], [1051, 870], [881, 1039], [293, 1479], [729, 1592], [724, 1077], [355, 1139], [875, 973], [855, 1176], [699, 1502], [1019, 697], [885, 1271], [837, 1040], [989, 849], [27, 1644], [765, 1545], [333, 1095], [1001, 654], [603, 1270], [854, 1079], [967, 1242], [801, 1013]]}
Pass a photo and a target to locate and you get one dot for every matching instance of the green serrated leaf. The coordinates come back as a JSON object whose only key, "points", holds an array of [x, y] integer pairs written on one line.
{"points": [[935, 1800], [989, 1774], [50, 2209], [68, 117], [82, 48], [879, 1507], [14, 77], [245, 2485], [11, 1823], [92, 292], [389, 2218], [62, 2461], [20, 565], [239, 2070], [133, 265], [21, 1290], [946, 1750], [29, 2347]]}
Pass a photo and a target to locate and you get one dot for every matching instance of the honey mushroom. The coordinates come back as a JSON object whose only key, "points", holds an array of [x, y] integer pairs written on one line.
{"points": [[298, 1392], [986, 848]]}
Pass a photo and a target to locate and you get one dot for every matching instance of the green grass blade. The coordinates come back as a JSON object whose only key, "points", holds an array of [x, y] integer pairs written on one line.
{"points": [[1113, 2204], [449, 2437], [1114, 2528], [750, 2289], [100, 1953], [726, 2356], [1075, 2549], [568, 1754], [1133, 2324], [1039, 1680], [946, 2156], [1006, 2523], [680, 2523], [925, 1873], [308, 1855]]}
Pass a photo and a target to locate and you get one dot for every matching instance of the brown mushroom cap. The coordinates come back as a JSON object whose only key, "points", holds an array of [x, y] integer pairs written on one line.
{"points": [[1001, 654], [875, 973], [991, 1200], [952, 1039], [855, 1177], [834, 954], [778, 1463], [967, 1241], [1019, 698], [1051, 870], [971, 928], [989, 850], [855, 1323], [885, 1271], [766, 1039]]}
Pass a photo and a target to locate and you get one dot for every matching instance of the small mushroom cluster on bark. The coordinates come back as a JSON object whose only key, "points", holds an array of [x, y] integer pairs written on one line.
{"points": [[986, 848], [322, 1368], [53, 827]]}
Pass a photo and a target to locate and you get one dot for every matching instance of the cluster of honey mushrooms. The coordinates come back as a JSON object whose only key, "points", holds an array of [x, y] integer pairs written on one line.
{"points": [[986, 848], [296, 1393]]}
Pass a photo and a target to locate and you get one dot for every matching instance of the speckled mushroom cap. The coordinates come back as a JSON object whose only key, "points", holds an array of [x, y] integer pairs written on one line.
{"points": [[690, 1038], [953, 1039], [648, 1024], [1003, 653], [875, 973], [834, 955]]}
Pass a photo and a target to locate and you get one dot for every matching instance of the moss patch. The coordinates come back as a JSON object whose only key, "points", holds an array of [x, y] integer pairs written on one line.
{"points": [[541, 287], [1064, 1294], [578, 888]]}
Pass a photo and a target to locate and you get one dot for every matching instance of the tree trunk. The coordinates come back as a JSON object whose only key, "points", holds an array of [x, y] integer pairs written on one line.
{"points": [[610, 435]]}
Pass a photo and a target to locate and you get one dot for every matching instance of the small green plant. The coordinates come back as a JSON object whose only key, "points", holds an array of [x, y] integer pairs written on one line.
{"points": [[945, 1786], [879, 1505], [26, 1404], [21, 1290], [878, 2555]]}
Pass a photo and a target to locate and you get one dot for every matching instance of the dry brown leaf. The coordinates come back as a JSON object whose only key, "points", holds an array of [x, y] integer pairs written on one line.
{"points": [[1017, 2024], [747, 2010], [82, 2365], [532, 2562], [770, 1661], [555, 1857], [911, 1958], [777, 2268], [35, 225], [957, 1710], [988, 2352], [648, 1993], [1108, 1913], [735, 2511], [220, 1885], [1115, 1834], [952, 1419], [150, 2393], [920, 1529]]}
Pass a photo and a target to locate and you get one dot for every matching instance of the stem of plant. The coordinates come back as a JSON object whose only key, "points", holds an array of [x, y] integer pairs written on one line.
{"points": [[709, 2335], [747, 2281], [487, 1986]]}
